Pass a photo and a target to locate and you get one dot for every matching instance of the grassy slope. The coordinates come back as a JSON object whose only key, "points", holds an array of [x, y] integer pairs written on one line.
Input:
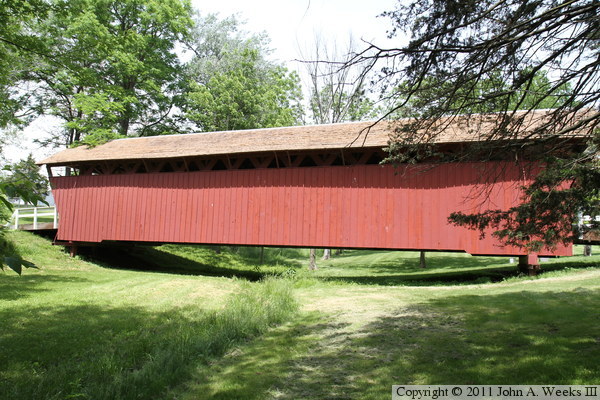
{"points": [[359, 335], [73, 329], [369, 320]]}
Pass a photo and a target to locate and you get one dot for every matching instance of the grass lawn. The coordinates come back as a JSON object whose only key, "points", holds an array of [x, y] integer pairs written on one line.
{"points": [[74, 329], [367, 320], [29, 220]]}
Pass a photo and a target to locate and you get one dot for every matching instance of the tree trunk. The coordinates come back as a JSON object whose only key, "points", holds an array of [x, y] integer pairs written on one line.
{"points": [[326, 254], [587, 250], [422, 262], [312, 263], [262, 255], [338, 252]]}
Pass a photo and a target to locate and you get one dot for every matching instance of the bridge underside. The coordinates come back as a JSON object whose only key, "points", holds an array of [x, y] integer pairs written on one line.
{"points": [[358, 206]]}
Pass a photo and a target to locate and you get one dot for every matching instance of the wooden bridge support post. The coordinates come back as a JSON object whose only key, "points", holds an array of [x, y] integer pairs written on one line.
{"points": [[529, 264], [35, 219], [16, 217], [312, 263]]}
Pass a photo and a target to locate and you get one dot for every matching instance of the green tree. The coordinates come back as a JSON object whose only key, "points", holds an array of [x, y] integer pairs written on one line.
{"points": [[115, 71], [475, 100], [24, 180], [232, 84], [18, 45], [490, 56]]}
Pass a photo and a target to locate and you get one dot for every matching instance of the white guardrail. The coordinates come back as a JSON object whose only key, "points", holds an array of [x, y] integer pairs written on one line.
{"points": [[32, 215]]}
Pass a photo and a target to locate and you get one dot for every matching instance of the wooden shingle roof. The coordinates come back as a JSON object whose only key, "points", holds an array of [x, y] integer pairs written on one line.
{"points": [[296, 138]]}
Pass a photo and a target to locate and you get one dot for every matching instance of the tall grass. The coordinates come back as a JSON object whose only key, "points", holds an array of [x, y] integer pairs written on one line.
{"points": [[141, 354]]}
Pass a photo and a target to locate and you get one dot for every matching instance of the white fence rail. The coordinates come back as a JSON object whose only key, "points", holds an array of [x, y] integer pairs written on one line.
{"points": [[31, 216]]}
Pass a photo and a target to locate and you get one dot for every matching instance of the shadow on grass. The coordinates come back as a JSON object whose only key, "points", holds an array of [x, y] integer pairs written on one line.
{"points": [[566, 263], [476, 275], [17, 287], [150, 259], [89, 351], [242, 262], [516, 338], [195, 260], [289, 257], [102, 352], [261, 366], [479, 273], [437, 262]]}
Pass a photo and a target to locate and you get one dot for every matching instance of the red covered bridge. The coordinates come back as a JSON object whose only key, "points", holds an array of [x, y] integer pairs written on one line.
{"points": [[305, 186]]}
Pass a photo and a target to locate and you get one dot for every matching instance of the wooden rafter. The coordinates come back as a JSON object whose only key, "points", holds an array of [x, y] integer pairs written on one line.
{"points": [[364, 158], [234, 162]]}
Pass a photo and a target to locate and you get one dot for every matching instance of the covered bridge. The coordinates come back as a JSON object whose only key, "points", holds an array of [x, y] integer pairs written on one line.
{"points": [[303, 186]]}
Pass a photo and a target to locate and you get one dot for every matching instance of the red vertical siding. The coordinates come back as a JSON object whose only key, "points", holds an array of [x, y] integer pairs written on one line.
{"points": [[366, 206]]}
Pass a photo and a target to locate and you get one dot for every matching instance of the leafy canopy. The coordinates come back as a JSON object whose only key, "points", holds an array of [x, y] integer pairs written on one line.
{"points": [[22, 180], [113, 71], [232, 83]]}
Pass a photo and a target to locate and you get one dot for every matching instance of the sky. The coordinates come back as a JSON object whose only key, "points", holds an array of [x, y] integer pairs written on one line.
{"points": [[290, 24]]}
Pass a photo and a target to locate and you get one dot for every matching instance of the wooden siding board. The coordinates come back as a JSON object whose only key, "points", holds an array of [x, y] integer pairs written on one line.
{"points": [[252, 208], [115, 217], [176, 207], [150, 204], [210, 208], [344, 208], [362, 210], [283, 213], [80, 202], [298, 225], [326, 206], [126, 207], [71, 209], [310, 209], [203, 208], [239, 197], [360, 206], [223, 211], [236, 197], [99, 205], [140, 206], [374, 198], [243, 207], [277, 206], [186, 212], [220, 212], [267, 207], [231, 205], [162, 209], [194, 212], [389, 207], [95, 215], [270, 206]]}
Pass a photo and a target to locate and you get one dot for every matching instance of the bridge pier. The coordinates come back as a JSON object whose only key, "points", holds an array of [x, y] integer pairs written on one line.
{"points": [[529, 264]]}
